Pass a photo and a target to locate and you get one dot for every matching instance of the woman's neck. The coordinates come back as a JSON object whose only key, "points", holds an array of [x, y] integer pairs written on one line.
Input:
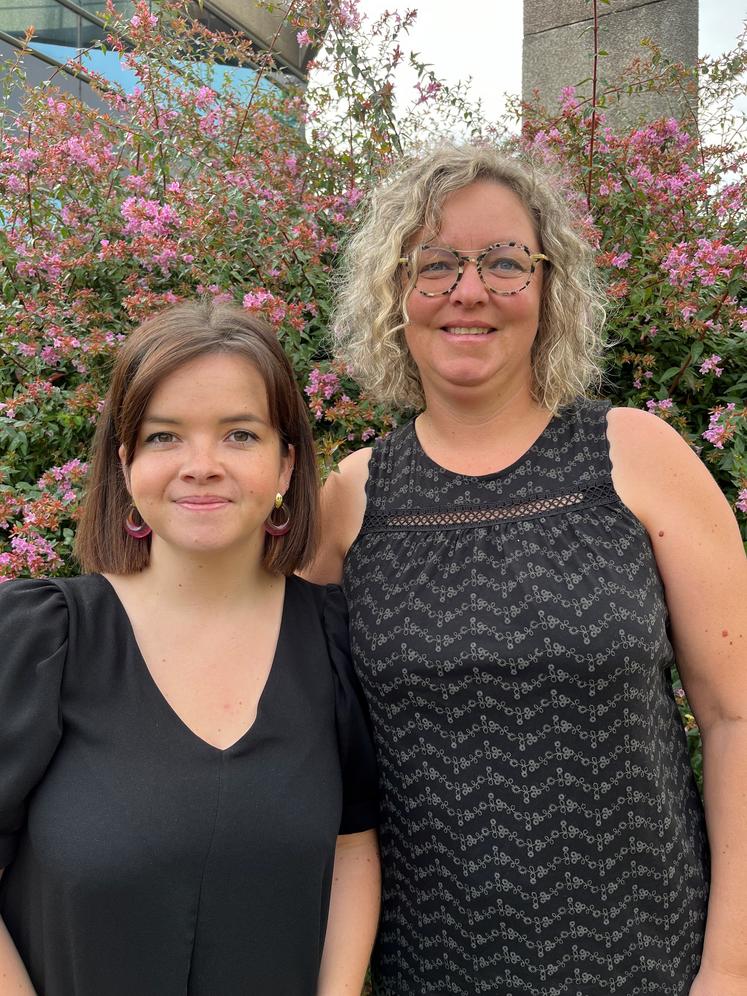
{"points": [[452, 414], [480, 438], [180, 580]]}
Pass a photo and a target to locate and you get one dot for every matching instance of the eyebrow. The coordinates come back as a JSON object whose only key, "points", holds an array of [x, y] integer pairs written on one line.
{"points": [[241, 417]]}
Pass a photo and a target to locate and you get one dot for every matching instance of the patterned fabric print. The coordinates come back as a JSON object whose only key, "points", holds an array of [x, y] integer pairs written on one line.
{"points": [[542, 832]]}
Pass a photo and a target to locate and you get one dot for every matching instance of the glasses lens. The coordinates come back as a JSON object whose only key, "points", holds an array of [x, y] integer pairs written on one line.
{"points": [[436, 269], [507, 268]]}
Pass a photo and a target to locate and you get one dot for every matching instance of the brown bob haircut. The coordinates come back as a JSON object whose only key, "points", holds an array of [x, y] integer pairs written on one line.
{"points": [[154, 350]]}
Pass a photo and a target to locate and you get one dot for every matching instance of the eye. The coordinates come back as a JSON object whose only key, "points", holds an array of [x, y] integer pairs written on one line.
{"points": [[242, 436], [160, 438], [436, 268], [506, 262], [507, 265], [434, 263]]}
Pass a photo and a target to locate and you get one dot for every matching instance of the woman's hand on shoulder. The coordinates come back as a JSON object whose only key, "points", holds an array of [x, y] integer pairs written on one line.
{"points": [[699, 553], [343, 508]]}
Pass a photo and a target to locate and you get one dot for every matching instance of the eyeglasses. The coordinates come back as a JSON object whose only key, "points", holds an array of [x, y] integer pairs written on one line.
{"points": [[504, 268]]}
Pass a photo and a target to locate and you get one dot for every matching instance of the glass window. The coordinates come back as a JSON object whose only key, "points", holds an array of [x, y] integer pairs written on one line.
{"points": [[53, 23]]}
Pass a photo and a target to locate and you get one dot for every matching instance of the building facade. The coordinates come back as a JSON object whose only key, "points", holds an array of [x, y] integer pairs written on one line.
{"points": [[558, 51], [66, 30]]}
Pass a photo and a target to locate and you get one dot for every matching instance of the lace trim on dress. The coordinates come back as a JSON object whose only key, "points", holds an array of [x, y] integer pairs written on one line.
{"points": [[456, 517]]}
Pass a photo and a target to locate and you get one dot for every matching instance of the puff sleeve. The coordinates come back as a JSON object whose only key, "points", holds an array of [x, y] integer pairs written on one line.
{"points": [[360, 809], [33, 646]]}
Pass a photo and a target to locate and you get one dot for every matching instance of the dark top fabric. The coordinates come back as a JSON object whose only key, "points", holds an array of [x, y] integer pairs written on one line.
{"points": [[541, 830], [141, 859]]}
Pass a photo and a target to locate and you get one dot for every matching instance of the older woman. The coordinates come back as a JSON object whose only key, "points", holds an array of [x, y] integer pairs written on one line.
{"points": [[524, 567]]}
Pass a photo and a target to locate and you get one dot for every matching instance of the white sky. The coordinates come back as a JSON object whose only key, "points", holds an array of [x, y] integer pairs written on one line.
{"points": [[482, 39]]}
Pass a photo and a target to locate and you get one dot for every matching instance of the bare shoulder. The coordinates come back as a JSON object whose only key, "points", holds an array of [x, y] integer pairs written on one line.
{"points": [[343, 508], [640, 434], [352, 467], [663, 481], [344, 491], [656, 473]]}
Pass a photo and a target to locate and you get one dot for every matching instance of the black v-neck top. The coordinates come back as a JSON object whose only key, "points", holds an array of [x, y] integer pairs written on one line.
{"points": [[141, 859]]}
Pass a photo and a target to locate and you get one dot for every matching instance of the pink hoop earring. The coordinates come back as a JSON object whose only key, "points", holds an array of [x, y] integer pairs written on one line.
{"points": [[132, 528], [278, 529]]}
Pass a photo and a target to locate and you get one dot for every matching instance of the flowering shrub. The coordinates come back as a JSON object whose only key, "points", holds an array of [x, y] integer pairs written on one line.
{"points": [[668, 214], [180, 189], [242, 191]]}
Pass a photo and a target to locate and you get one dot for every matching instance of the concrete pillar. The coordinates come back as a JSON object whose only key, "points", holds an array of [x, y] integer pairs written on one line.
{"points": [[559, 47]]}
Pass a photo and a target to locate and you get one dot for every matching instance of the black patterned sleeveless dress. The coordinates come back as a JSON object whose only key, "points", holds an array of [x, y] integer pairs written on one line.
{"points": [[541, 829]]}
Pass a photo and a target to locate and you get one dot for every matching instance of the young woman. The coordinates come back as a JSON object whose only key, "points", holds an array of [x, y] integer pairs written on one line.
{"points": [[187, 781]]}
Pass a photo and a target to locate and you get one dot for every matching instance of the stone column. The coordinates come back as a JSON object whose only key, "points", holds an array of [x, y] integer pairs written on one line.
{"points": [[559, 47]]}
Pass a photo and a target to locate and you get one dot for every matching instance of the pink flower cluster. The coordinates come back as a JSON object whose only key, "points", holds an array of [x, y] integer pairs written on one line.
{"points": [[321, 387], [427, 92], [657, 407], [710, 365], [148, 217], [707, 261], [722, 425], [62, 481], [34, 555]]}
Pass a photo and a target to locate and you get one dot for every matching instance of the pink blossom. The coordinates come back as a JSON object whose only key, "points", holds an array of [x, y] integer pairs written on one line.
{"points": [[348, 15], [211, 123], [28, 159], [742, 500], [621, 261], [256, 299], [143, 18], [136, 182], [718, 431], [569, 102], [322, 383], [711, 365], [657, 407], [75, 149], [427, 92], [204, 98], [302, 37], [58, 107], [148, 217]]}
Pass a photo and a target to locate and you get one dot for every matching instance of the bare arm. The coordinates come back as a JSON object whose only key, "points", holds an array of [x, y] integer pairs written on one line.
{"points": [[700, 557], [353, 915], [14, 980], [343, 508]]}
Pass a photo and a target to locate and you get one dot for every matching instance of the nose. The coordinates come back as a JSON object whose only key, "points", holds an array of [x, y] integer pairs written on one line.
{"points": [[201, 463], [470, 290]]}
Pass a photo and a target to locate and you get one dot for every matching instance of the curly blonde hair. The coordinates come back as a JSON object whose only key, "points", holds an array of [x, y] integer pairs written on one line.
{"points": [[371, 315]]}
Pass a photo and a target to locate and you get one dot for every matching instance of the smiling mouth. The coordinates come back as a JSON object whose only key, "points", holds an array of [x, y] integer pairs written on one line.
{"points": [[202, 504], [466, 330]]}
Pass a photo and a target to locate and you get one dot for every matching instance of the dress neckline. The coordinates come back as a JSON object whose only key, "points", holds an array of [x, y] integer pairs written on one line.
{"points": [[165, 704], [428, 461]]}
